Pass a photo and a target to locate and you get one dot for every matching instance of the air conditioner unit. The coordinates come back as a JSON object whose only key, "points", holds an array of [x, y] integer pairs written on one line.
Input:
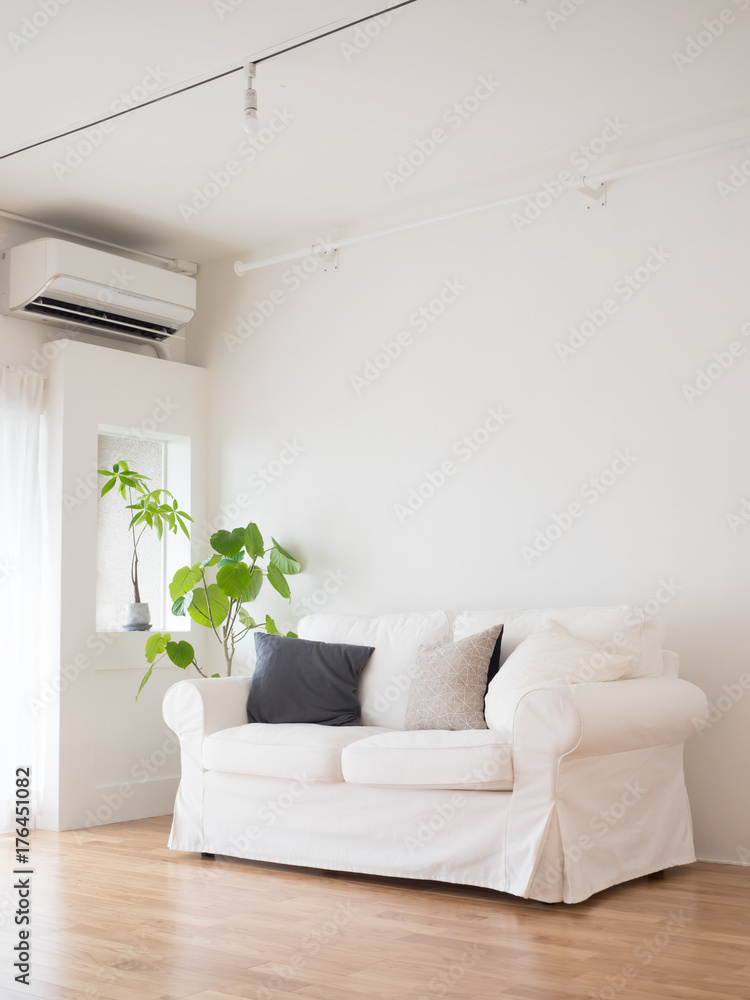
{"points": [[80, 289]]}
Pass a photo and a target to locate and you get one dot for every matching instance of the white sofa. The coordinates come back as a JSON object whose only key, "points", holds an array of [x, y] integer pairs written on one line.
{"points": [[583, 791]]}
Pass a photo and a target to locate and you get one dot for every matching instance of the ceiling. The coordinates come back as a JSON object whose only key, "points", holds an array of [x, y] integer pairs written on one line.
{"points": [[345, 108]]}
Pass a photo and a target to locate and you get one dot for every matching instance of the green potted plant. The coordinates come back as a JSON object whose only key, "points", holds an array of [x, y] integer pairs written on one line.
{"points": [[153, 510], [214, 594]]}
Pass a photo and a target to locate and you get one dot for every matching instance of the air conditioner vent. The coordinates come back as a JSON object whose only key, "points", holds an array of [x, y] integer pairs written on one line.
{"points": [[99, 319]]}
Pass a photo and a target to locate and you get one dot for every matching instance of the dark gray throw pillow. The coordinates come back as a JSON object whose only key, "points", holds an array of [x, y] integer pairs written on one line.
{"points": [[297, 680]]}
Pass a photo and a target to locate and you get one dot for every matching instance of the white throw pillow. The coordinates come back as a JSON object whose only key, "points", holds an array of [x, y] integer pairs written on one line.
{"points": [[550, 656]]}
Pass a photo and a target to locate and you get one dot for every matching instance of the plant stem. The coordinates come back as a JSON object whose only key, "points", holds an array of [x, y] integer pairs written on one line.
{"points": [[134, 561], [208, 606], [228, 641]]}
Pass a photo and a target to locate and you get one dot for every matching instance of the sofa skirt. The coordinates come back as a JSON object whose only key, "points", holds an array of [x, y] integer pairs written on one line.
{"points": [[446, 836]]}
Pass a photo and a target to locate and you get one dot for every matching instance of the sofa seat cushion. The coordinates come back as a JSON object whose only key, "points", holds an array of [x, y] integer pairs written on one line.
{"points": [[302, 751], [432, 758]]}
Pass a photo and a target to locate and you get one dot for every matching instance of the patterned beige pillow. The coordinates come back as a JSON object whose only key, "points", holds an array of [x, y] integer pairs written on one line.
{"points": [[450, 682]]}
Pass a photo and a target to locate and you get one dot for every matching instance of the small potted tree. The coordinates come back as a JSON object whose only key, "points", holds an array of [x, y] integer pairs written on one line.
{"points": [[153, 510]]}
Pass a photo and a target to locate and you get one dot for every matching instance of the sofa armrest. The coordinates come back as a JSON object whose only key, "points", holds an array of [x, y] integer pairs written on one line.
{"points": [[196, 708], [587, 753], [586, 720]]}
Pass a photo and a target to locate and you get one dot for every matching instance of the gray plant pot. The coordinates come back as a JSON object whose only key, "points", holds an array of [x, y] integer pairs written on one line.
{"points": [[137, 618]]}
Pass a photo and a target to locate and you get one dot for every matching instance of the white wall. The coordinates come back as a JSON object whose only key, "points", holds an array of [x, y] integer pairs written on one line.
{"points": [[114, 759], [283, 400]]}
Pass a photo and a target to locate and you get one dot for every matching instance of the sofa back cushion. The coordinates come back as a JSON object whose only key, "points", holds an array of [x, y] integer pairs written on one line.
{"points": [[622, 630], [385, 682]]}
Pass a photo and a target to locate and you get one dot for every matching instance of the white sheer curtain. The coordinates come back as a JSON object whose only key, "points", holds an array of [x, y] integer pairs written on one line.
{"points": [[21, 580]]}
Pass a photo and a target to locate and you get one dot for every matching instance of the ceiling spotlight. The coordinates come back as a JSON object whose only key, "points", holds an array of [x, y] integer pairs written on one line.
{"points": [[251, 101]]}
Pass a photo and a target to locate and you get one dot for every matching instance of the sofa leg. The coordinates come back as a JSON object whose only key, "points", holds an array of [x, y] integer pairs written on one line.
{"points": [[209, 857]]}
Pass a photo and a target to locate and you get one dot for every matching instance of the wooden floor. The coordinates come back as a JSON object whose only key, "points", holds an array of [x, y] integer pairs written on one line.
{"points": [[117, 916]]}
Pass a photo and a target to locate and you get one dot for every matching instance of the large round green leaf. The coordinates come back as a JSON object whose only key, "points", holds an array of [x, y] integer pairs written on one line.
{"points": [[180, 605], [199, 606], [228, 543], [282, 560], [277, 580], [253, 587], [184, 580], [254, 541], [234, 578], [271, 626], [156, 644], [245, 619], [181, 654]]}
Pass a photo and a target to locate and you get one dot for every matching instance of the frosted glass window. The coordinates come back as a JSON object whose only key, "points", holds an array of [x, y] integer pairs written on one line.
{"points": [[114, 589]]}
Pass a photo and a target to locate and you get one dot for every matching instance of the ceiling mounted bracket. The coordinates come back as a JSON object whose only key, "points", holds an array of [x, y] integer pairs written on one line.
{"points": [[595, 196], [327, 256]]}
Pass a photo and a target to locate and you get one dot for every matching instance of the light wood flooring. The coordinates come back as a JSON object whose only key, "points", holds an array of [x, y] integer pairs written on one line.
{"points": [[117, 916]]}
